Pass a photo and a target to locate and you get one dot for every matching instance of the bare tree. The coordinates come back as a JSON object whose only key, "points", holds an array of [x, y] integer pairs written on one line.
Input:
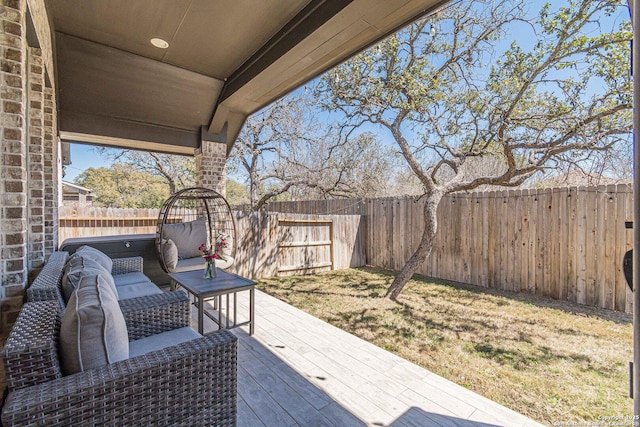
{"points": [[436, 88], [286, 149]]}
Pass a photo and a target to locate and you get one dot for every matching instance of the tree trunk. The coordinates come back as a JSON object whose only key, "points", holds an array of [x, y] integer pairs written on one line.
{"points": [[423, 251], [253, 193]]}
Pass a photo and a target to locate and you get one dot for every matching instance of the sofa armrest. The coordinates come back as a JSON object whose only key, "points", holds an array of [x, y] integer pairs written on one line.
{"points": [[153, 314], [30, 354], [46, 286], [194, 383], [126, 265]]}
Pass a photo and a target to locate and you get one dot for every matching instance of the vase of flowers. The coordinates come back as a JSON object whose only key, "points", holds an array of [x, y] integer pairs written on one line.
{"points": [[210, 261]]}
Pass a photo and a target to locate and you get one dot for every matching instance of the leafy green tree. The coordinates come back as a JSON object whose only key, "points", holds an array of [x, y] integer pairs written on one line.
{"points": [[436, 88], [122, 187], [176, 171], [237, 194]]}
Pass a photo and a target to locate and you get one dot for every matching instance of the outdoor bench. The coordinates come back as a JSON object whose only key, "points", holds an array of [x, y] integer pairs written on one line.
{"points": [[145, 366]]}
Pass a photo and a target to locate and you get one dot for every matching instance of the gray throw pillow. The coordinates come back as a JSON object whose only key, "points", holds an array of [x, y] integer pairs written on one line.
{"points": [[76, 268], [170, 254], [93, 331], [95, 255], [187, 236]]}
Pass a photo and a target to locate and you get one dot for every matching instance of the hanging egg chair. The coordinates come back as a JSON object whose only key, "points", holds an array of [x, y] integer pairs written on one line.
{"points": [[191, 220]]}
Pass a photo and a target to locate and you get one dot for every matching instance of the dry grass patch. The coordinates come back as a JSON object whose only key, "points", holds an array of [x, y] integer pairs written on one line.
{"points": [[549, 360]]}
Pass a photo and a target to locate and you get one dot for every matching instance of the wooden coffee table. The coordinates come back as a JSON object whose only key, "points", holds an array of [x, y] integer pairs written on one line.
{"points": [[223, 285]]}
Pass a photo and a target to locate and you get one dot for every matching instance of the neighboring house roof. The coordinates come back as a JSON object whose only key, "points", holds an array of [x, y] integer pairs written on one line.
{"points": [[76, 187]]}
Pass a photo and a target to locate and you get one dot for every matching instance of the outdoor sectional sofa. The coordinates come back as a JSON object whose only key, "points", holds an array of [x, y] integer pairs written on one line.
{"points": [[169, 374]]}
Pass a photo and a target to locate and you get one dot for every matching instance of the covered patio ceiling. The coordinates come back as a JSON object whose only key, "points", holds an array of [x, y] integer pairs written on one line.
{"points": [[225, 60]]}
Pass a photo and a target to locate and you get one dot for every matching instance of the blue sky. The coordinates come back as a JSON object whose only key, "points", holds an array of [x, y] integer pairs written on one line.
{"points": [[84, 156]]}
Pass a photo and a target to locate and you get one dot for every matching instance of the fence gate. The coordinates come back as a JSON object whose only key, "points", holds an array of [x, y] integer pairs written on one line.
{"points": [[305, 246]]}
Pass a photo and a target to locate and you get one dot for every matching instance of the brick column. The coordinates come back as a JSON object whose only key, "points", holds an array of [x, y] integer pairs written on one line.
{"points": [[13, 176], [211, 160], [51, 173], [35, 162]]}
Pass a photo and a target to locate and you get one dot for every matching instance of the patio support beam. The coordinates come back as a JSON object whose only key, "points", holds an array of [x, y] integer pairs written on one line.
{"points": [[308, 20], [211, 159]]}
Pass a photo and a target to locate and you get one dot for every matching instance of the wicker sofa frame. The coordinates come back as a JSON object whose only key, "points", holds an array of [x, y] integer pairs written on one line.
{"points": [[194, 383], [147, 315]]}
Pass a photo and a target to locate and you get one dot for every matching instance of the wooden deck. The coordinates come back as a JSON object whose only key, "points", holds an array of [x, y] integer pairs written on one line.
{"points": [[297, 370]]}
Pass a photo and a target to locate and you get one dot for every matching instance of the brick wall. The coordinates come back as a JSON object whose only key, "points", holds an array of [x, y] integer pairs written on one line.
{"points": [[28, 146], [211, 161], [35, 161], [51, 163], [13, 181]]}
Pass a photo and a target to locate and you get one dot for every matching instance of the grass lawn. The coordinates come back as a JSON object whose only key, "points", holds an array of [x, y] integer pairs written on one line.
{"points": [[550, 360]]}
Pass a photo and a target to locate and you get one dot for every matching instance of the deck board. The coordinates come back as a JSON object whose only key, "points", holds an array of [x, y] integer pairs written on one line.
{"points": [[299, 370]]}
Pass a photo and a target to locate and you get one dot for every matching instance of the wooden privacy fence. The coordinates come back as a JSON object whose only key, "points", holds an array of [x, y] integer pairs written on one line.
{"points": [[565, 243], [89, 221], [269, 244], [273, 244]]}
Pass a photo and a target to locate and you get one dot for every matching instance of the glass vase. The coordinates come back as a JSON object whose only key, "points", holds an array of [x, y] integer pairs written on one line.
{"points": [[210, 269]]}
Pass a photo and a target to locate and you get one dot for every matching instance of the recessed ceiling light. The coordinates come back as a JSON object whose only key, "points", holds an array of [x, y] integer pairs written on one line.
{"points": [[159, 43]]}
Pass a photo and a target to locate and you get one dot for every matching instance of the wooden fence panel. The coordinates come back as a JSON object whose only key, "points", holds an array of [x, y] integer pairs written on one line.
{"points": [[566, 243], [259, 236]]}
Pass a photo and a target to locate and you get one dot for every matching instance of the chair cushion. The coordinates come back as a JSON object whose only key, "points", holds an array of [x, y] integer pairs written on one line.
{"points": [[130, 279], [197, 263], [78, 267], [187, 236], [169, 254], [95, 255], [93, 332], [137, 290], [162, 340]]}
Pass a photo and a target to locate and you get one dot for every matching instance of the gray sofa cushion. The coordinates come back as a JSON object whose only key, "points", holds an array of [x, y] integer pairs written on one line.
{"points": [[130, 278], [95, 255], [187, 236], [137, 290], [169, 254], [78, 267], [162, 340], [93, 332]]}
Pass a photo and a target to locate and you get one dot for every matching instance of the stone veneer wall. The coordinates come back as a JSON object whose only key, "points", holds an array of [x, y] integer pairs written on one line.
{"points": [[28, 143], [211, 161]]}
